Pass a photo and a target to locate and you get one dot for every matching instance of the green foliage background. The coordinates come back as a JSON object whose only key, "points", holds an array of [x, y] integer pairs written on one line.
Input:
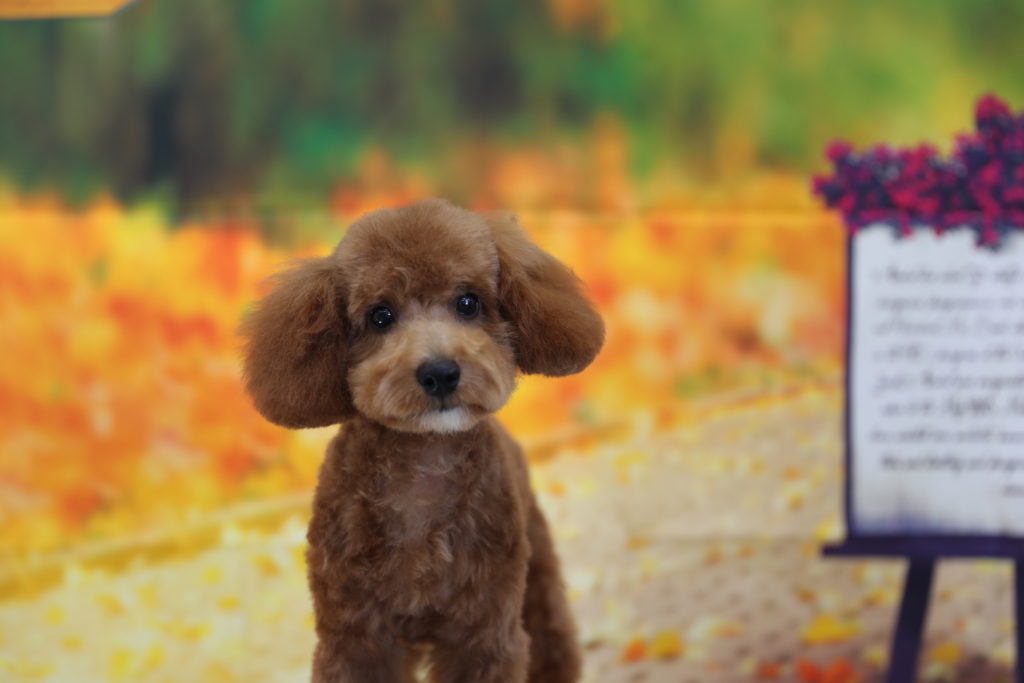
{"points": [[193, 100]]}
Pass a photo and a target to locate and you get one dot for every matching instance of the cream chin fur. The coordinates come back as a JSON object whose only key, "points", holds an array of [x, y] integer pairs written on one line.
{"points": [[457, 419]]}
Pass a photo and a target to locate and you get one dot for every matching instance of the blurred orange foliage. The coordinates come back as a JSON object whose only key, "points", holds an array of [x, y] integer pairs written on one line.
{"points": [[121, 408]]}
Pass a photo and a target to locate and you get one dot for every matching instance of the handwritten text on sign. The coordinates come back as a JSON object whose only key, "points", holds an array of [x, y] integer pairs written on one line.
{"points": [[937, 384]]}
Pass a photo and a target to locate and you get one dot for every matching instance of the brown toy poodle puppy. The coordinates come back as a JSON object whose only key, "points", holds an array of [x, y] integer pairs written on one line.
{"points": [[425, 536]]}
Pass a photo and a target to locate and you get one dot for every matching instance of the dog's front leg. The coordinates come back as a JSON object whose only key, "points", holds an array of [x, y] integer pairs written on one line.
{"points": [[348, 659], [490, 655], [484, 640], [354, 644]]}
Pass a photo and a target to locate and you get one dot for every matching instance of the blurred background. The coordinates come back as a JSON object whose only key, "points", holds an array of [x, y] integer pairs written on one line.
{"points": [[156, 166]]}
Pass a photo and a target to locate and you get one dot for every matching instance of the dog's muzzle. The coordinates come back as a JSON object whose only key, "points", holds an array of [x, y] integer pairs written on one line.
{"points": [[438, 377]]}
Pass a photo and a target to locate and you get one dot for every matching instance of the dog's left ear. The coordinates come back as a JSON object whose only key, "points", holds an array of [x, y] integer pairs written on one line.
{"points": [[295, 367], [556, 329]]}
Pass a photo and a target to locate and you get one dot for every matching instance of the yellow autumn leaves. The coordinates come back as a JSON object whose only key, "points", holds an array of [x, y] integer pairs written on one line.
{"points": [[121, 408]]}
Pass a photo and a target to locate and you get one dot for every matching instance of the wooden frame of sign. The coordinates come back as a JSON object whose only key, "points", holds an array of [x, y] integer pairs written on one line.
{"points": [[934, 416]]}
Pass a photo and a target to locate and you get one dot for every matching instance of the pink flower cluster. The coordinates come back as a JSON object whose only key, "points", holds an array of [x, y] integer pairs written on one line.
{"points": [[980, 185]]}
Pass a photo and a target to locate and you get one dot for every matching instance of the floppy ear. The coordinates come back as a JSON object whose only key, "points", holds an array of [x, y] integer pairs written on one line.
{"points": [[556, 330], [295, 350]]}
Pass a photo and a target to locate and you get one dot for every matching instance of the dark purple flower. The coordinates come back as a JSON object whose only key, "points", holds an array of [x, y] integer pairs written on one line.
{"points": [[838, 150], [980, 184]]}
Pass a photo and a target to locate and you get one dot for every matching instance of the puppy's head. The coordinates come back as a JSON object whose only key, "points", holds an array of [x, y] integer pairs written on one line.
{"points": [[419, 321]]}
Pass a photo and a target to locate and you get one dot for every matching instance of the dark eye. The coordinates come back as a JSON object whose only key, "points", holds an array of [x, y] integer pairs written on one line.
{"points": [[467, 305], [382, 317]]}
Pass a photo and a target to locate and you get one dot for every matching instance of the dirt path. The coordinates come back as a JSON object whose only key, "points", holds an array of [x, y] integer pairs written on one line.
{"points": [[691, 554]]}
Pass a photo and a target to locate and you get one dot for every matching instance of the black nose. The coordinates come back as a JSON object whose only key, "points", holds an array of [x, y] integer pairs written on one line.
{"points": [[438, 377]]}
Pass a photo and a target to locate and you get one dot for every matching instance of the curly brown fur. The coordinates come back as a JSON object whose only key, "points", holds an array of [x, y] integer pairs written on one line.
{"points": [[425, 536]]}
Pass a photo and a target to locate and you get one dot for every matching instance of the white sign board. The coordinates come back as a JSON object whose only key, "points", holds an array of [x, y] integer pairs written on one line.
{"points": [[935, 384]]}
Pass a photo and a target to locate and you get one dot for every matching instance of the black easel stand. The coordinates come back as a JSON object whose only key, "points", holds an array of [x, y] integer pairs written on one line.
{"points": [[923, 554], [1018, 585]]}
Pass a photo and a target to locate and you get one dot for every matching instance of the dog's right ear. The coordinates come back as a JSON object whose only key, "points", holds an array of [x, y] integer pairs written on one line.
{"points": [[295, 367], [557, 331]]}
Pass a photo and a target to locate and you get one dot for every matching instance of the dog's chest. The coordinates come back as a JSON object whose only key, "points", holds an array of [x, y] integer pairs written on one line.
{"points": [[425, 527], [423, 499]]}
